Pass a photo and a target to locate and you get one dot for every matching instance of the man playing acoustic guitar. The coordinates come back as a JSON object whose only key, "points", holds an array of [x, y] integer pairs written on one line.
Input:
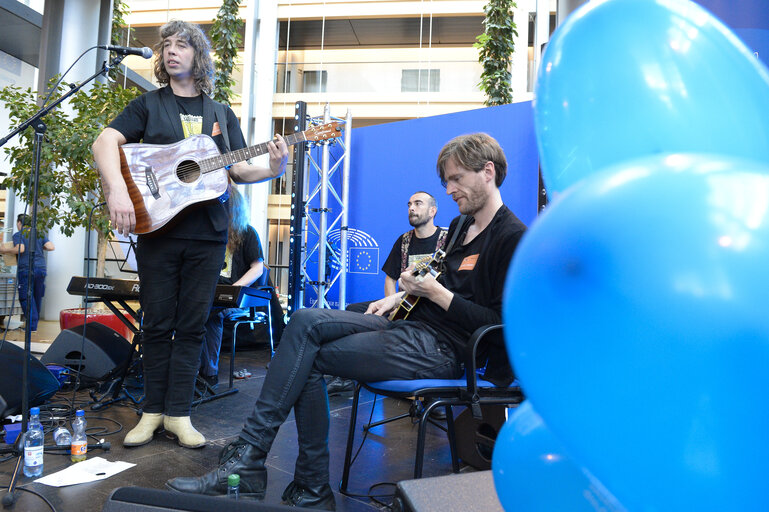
{"points": [[179, 263], [369, 347]]}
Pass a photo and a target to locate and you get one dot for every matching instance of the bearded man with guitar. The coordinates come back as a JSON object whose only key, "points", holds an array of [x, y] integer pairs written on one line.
{"points": [[182, 235], [370, 347]]}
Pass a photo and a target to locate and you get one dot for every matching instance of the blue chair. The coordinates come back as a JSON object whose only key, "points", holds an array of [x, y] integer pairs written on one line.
{"points": [[254, 309], [471, 391]]}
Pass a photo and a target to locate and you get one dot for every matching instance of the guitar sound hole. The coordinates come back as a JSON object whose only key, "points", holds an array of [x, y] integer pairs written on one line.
{"points": [[188, 171]]}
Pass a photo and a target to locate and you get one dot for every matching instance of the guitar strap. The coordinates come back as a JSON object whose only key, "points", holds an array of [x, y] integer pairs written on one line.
{"points": [[460, 225], [221, 118]]}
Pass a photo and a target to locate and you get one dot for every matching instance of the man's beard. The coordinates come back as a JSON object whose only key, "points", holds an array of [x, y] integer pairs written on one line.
{"points": [[416, 221]]}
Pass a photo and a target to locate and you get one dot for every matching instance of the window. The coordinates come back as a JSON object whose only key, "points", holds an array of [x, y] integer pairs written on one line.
{"points": [[420, 80], [314, 81]]}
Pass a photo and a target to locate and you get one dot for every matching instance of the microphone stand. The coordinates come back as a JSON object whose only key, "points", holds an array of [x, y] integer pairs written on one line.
{"points": [[36, 121]]}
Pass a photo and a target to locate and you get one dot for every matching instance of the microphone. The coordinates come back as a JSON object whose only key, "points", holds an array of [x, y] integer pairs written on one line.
{"points": [[127, 50]]}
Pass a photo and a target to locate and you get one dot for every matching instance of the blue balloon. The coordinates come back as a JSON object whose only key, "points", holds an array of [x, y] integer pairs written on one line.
{"points": [[533, 473], [651, 279], [624, 79]]}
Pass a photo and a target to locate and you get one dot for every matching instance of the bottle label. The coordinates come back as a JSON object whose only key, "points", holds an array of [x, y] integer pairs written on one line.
{"points": [[33, 455], [78, 448]]}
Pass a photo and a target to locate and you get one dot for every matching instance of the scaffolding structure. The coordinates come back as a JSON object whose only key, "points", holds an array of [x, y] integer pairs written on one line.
{"points": [[311, 215]]}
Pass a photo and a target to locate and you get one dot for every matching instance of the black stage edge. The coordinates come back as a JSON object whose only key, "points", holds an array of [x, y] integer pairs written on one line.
{"points": [[140, 499]]}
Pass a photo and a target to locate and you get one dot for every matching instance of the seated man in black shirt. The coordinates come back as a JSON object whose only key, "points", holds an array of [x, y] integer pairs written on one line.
{"points": [[430, 343], [414, 245]]}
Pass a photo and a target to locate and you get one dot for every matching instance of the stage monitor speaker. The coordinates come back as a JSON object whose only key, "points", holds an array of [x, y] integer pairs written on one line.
{"points": [[103, 350], [476, 437], [42, 383], [139, 499], [468, 492]]}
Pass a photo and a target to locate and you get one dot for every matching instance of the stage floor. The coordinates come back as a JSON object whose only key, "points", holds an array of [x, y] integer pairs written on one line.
{"points": [[387, 456]]}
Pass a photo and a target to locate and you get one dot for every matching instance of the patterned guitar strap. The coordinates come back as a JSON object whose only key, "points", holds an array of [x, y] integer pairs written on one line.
{"points": [[406, 240]]}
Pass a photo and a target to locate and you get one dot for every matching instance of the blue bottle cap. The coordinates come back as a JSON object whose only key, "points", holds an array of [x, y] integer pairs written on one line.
{"points": [[34, 411], [80, 413]]}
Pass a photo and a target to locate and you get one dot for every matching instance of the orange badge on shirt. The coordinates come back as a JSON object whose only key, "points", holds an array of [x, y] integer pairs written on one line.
{"points": [[469, 262], [216, 130]]}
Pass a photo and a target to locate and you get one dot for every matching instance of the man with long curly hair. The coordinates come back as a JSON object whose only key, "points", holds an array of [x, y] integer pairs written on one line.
{"points": [[178, 264]]}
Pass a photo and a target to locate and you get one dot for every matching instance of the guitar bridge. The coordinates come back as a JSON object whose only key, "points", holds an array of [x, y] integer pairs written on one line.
{"points": [[152, 182]]}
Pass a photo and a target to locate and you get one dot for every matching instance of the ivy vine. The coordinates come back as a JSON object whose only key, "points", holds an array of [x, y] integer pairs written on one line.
{"points": [[496, 47]]}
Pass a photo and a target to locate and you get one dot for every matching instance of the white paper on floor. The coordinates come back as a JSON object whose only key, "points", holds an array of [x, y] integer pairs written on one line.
{"points": [[87, 471]]}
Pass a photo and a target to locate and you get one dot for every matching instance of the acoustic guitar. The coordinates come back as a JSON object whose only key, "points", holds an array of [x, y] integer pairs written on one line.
{"points": [[429, 265], [163, 179]]}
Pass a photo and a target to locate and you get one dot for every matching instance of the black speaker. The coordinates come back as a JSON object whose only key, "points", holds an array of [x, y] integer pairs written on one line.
{"points": [[139, 499], [469, 492], [42, 383], [476, 437], [103, 350]]}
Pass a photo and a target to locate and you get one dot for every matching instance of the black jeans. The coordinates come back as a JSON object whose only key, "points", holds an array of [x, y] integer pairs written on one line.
{"points": [[366, 348], [178, 279]]}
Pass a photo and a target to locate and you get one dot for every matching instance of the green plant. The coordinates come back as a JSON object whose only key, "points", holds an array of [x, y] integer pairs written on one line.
{"points": [[496, 47], [69, 185], [225, 40]]}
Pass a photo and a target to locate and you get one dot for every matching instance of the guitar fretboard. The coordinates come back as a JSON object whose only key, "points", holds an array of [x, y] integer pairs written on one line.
{"points": [[239, 155]]}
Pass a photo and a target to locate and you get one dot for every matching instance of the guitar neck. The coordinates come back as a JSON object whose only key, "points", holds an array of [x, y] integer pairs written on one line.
{"points": [[239, 155]]}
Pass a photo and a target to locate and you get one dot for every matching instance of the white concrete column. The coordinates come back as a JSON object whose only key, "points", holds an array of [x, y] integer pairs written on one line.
{"points": [[520, 68], [258, 89], [80, 21]]}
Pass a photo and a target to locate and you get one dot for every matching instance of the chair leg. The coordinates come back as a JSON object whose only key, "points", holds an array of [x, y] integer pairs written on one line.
{"points": [[452, 438], [421, 439], [269, 330], [232, 351], [350, 439]]}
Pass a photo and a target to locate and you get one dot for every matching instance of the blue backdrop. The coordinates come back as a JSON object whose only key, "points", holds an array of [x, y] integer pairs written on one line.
{"points": [[389, 162], [749, 19]]}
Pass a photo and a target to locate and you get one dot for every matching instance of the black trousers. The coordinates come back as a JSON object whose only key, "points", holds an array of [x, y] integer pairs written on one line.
{"points": [[178, 279], [366, 348]]}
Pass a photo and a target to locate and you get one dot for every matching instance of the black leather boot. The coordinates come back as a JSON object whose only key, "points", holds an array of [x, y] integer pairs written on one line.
{"points": [[238, 457], [299, 495]]}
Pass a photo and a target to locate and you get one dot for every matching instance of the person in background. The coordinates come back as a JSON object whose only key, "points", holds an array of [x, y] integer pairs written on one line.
{"points": [[20, 246], [243, 265], [179, 263]]}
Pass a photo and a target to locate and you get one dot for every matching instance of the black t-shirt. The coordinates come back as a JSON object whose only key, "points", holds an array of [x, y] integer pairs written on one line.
{"points": [[237, 264], [418, 249], [458, 276], [194, 222]]}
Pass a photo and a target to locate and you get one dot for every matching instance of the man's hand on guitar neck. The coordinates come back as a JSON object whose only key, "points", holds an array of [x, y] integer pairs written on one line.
{"points": [[425, 286], [242, 172]]}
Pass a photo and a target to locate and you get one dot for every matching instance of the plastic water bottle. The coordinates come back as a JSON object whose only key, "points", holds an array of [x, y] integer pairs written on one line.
{"points": [[33, 445], [62, 436], [233, 486], [79, 445]]}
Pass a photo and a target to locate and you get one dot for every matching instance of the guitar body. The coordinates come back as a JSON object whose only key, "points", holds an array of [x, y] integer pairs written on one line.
{"points": [[163, 179]]}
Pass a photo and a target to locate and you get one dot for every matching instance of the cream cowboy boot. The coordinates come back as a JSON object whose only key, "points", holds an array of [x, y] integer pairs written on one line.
{"points": [[144, 430], [185, 433]]}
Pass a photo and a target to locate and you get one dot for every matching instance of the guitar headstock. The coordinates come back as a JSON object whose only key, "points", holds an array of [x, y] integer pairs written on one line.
{"points": [[324, 131]]}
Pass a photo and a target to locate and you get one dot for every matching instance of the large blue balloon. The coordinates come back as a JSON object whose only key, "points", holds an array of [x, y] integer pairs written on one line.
{"points": [[652, 282], [624, 79], [533, 473]]}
